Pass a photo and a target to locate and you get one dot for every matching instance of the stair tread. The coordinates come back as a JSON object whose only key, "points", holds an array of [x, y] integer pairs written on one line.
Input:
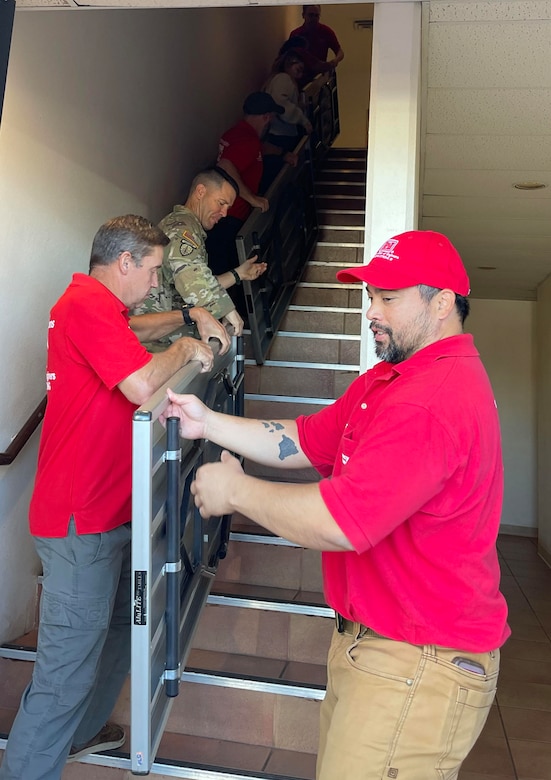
{"points": [[264, 593], [253, 667], [218, 754]]}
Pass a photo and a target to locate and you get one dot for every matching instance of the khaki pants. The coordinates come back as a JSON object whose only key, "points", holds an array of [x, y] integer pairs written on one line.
{"points": [[394, 710]]}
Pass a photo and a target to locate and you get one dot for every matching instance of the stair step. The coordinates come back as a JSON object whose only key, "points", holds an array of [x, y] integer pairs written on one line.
{"points": [[280, 408], [316, 348], [217, 759], [344, 253], [344, 164], [253, 672], [336, 152], [354, 218], [272, 720], [277, 566], [324, 271], [328, 295], [299, 379], [340, 201], [320, 319], [324, 188], [226, 627], [333, 234], [343, 174]]}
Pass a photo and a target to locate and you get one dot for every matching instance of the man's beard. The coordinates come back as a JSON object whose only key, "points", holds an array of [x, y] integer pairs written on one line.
{"points": [[391, 352]]}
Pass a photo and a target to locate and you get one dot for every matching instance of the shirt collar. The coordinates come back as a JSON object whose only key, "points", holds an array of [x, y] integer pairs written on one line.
{"points": [[461, 345]]}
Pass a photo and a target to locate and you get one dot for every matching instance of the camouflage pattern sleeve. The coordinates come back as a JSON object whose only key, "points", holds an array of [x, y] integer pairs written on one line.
{"points": [[186, 271]]}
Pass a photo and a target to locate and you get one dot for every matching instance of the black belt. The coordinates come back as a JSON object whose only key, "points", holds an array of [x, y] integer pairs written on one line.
{"points": [[345, 626]]}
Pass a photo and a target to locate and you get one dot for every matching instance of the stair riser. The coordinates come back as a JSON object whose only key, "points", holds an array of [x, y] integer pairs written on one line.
{"points": [[275, 410], [329, 201], [341, 174], [354, 220], [299, 382], [346, 236], [340, 296], [346, 165], [344, 255], [284, 722], [322, 322], [324, 273], [315, 350], [271, 565], [279, 635], [339, 188]]}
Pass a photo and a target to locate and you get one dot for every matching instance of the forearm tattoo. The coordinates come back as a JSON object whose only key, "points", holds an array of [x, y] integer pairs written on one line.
{"points": [[287, 446]]}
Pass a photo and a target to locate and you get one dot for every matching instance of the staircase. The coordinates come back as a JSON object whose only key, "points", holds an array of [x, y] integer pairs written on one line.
{"points": [[250, 694]]}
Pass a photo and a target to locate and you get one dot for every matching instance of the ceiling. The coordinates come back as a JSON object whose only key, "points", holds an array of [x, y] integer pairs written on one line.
{"points": [[486, 125]]}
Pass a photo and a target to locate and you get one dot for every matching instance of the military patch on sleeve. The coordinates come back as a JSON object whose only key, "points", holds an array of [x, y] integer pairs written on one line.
{"points": [[187, 244]]}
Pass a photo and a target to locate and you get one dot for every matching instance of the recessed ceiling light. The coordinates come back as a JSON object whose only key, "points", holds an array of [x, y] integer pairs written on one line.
{"points": [[529, 185], [487, 268]]}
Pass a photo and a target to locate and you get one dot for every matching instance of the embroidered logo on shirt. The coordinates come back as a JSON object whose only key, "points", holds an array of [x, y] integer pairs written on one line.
{"points": [[344, 458], [187, 244]]}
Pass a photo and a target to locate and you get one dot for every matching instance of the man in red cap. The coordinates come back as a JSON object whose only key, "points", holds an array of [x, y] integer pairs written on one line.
{"points": [[406, 514]]}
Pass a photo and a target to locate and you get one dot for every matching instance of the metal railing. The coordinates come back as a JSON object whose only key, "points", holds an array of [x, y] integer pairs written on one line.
{"points": [[174, 551], [285, 235]]}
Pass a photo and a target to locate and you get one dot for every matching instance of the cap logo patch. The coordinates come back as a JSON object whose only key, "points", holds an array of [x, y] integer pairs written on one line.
{"points": [[387, 250]]}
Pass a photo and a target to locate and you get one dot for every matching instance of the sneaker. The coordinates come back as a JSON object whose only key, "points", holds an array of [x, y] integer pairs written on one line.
{"points": [[110, 737]]}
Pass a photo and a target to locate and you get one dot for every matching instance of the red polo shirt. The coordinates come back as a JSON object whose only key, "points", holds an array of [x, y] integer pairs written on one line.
{"points": [[85, 455], [412, 459], [241, 146], [320, 39]]}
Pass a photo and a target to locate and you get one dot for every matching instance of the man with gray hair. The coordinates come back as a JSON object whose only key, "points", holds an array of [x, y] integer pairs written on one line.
{"points": [[80, 511]]}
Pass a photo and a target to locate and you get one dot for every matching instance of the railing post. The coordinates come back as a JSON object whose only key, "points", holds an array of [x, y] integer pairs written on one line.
{"points": [[173, 456]]}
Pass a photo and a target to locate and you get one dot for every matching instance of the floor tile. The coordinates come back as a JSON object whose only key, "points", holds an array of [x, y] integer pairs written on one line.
{"points": [[527, 671], [532, 759], [532, 725], [532, 696], [524, 649], [490, 756]]}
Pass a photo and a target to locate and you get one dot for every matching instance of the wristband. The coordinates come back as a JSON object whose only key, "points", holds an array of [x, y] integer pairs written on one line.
{"points": [[187, 316], [236, 277]]}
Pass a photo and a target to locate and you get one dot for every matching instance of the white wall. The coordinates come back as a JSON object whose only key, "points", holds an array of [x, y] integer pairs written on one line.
{"points": [[504, 334], [544, 417], [106, 113], [354, 72]]}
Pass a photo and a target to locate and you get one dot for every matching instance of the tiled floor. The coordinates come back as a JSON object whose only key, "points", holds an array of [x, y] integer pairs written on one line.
{"points": [[516, 741]]}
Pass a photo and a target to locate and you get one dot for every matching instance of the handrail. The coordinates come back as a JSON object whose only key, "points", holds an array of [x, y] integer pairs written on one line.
{"points": [[21, 438]]}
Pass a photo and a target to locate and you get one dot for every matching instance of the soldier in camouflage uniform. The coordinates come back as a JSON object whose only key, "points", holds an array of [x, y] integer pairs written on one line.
{"points": [[186, 280]]}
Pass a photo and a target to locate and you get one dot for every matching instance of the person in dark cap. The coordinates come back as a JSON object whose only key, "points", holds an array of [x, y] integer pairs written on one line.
{"points": [[406, 513], [240, 154]]}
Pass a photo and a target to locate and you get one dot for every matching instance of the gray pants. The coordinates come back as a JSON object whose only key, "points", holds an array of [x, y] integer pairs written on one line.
{"points": [[83, 654]]}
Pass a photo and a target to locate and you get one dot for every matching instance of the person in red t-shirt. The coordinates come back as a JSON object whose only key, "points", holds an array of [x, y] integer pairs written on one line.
{"points": [[240, 155], [406, 514], [98, 373], [320, 39]]}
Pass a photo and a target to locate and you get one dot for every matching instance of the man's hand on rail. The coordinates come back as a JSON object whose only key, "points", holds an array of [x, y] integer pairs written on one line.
{"points": [[291, 159], [213, 486], [192, 413], [250, 269], [203, 353], [234, 319], [259, 203], [210, 328]]}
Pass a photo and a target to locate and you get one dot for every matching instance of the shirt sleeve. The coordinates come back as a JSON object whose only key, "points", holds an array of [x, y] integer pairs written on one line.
{"points": [[283, 90], [332, 40], [101, 336], [194, 281]]}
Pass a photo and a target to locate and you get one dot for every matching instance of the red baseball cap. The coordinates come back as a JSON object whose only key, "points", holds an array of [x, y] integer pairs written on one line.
{"points": [[412, 258]]}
